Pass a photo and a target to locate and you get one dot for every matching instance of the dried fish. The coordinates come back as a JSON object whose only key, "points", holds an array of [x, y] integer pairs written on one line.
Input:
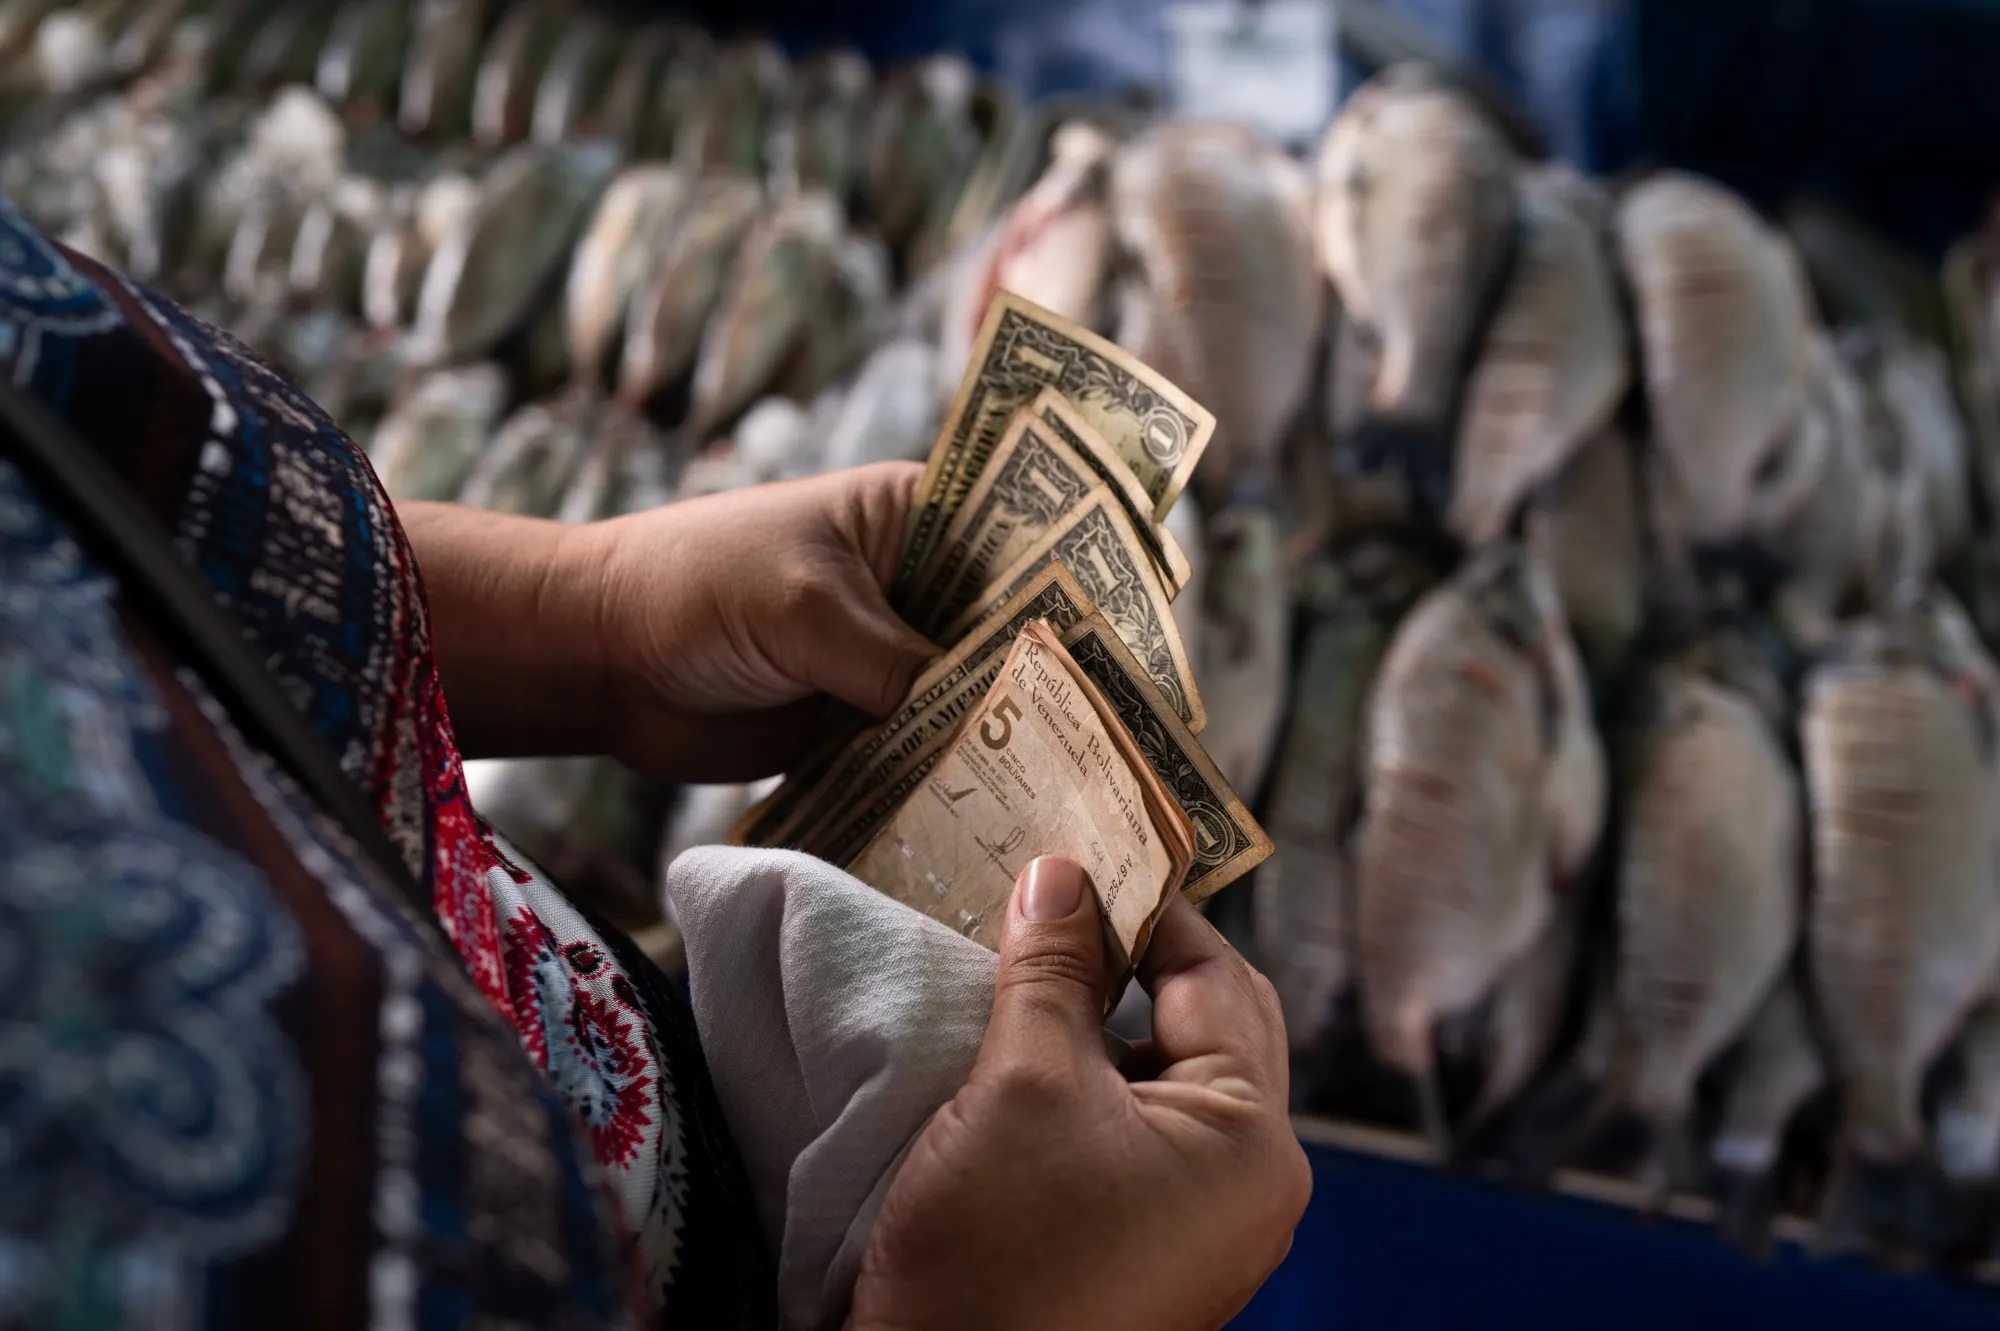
{"points": [[891, 412], [1917, 428], [846, 323], [510, 72], [829, 123], [1722, 316], [1055, 247], [1708, 896], [1414, 222], [727, 133], [435, 100], [330, 247], [1484, 790], [362, 60], [414, 223], [769, 439], [1806, 508], [1553, 367], [1587, 526], [1966, 1137], [579, 74], [486, 275], [672, 304], [775, 283], [1904, 926], [1778, 1070], [636, 211], [430, 440], [532, 461], [1303, 903], [624, 114], [1245, 642], [1219, 223], [1519, 1028], [921, 145]]}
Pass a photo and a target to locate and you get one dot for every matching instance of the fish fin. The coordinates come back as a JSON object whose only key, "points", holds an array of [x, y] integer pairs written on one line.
{"points": [[1746, 1204], [1420, 450]]}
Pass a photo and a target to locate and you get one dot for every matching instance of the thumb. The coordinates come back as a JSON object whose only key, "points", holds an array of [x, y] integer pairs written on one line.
{"points": [[1048, 994]]}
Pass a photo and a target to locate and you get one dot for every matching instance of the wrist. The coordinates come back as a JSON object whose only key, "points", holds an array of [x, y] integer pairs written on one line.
{"points": [[517, 614]]}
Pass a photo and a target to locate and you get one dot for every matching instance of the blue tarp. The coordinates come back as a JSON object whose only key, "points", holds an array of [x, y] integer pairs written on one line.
{"points": [[1394, 1247]]}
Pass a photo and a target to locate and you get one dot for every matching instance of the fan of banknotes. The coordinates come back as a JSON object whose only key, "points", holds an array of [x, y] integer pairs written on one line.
{"points": [[1062, 718]]}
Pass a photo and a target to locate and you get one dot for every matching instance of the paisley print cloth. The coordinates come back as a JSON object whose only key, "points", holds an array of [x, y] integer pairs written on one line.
{"points": [[239, 1084]]}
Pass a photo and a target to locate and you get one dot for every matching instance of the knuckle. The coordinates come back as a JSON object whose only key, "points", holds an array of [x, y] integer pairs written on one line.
{"points": [[799, 585], [1296, 1182], [1054, 965], [1268, 1002], [1029, 1090]]}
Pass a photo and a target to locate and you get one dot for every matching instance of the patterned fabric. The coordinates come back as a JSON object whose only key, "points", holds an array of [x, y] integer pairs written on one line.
{"points": [[239, 1084]]}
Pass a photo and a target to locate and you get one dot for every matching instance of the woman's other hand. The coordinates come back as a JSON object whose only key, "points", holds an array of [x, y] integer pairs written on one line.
{"points": [[696, 641], [1051, 1193], [752, 602]]}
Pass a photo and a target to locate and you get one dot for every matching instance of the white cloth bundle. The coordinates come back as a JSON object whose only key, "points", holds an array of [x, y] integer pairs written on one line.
{"points": [[835, 1022]]}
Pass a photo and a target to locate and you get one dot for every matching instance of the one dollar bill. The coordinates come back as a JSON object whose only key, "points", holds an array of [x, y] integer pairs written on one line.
{"points": [[1157, 430], [1228, 843], [1097, 543]]}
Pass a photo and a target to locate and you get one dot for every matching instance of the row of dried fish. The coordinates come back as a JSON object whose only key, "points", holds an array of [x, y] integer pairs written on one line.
{"points": [[896, 150], [1661, 824]]}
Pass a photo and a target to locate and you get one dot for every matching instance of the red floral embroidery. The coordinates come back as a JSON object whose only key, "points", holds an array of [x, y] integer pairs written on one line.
{"points": [[609, 1037]]}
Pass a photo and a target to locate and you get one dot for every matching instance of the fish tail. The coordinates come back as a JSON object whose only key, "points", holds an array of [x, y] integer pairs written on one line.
{"points": [[1667, 1161], [1746, 1204], [1875, 1206], [1419, 450], [1431, 1111], [1553, 1125], [1957, 1223]]}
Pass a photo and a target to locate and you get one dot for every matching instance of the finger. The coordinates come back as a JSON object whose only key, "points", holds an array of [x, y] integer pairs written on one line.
{"points": [[874, 518], [858, 649], [1048, 994], [1207, 1000]]}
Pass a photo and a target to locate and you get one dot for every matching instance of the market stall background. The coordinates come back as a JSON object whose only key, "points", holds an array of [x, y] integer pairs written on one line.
{"points": [[1881, 110]]}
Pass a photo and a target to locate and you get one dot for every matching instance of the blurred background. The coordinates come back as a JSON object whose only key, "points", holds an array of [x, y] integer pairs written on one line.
{"points": [[1648, 350]]}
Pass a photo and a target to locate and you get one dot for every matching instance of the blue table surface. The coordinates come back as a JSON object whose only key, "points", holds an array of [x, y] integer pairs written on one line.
{"points": [[1390, 1246]]}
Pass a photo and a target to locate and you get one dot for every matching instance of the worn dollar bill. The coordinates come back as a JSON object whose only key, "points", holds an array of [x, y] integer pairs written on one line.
{"points": [[1228, 842], [1033, 480], [1096, 541], [1042, 767], [1098, 454], [941, 696], [1157, 429]]}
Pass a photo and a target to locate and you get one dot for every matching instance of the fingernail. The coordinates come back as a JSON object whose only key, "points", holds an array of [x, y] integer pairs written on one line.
{"points": [[1051, 889]]}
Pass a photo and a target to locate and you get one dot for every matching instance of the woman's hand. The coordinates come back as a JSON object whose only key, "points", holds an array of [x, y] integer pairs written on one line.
{"points": [[1053, 1194], [694, 641]]}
